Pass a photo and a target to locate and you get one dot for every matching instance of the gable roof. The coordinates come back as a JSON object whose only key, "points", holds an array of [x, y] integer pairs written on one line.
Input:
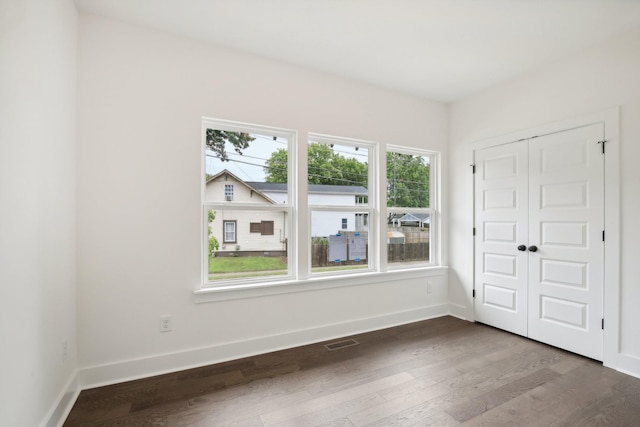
{"points": [[240, 181]]}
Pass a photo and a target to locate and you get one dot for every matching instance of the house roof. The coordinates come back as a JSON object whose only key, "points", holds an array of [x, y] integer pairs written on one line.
{"points": [[417, 217], [278, 187], [245, 183], [313, 188]]}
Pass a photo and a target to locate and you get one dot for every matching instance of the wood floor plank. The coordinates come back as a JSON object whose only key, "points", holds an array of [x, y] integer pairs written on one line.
{"points": [[471, 408], [574, 391], [441, 372], [330, 414], [397, 405], [326, 401], [612, 409]]}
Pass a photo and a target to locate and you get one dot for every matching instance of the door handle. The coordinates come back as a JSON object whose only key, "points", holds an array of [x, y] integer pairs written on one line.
{"points": [[522, 248], [533, 248]]}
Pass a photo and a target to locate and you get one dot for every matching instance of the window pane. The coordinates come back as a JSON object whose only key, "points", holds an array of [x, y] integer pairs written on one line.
{"points": [[335, 248], [236, 252], [337, 174], [408, 180], [408, 238], [245, 167], [229, 231]]}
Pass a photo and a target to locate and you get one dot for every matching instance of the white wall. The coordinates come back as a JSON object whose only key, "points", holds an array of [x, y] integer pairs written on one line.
{"points": [[141, 98], [600, 78], [38, 209]]}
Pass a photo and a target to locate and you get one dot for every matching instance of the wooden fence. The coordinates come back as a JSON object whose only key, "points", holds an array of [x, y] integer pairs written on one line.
{"points": [[396, 252]]}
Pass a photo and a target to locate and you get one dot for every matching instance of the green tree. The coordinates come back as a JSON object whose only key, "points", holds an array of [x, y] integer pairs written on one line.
{"points": [[216, 141], [276, 166], [214, 245], [324, 165], [407, 180]]}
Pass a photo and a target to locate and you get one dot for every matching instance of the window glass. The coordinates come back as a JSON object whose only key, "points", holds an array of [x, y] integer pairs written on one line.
{"points": [[338, 174], [229, 231], [410, 213], [408, 180], [250, 215], [246, 200], [338, 194], [228, 192]]}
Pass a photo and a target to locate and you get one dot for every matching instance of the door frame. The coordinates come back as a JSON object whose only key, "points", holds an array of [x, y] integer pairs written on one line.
{"points": [[610, 119]]}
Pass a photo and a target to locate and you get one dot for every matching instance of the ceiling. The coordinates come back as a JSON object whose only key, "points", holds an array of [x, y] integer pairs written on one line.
{"points": [[440, 49]]}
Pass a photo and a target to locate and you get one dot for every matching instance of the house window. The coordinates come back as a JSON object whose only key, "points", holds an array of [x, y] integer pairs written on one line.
{"points": [[344, 223], [410, 207], [362, 221], [247, 240], [229, 228], [228, 192]]}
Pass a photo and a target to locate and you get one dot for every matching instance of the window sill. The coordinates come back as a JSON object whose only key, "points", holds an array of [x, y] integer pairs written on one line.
{"points": [[234, 292]]}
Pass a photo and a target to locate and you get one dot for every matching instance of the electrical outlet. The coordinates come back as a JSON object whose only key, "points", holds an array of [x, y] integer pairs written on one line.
{"points": [[429, 290], [165, 323], [65, 350]]}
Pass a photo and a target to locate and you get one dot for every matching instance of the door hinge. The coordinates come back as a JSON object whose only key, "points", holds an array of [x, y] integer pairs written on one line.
{"points": [[473, 168], [603, 324], [473, 293], [474, 231], [602, 142], [603, 235]]}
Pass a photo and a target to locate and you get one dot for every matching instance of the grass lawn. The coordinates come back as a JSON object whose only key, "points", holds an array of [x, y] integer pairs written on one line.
{"points": [[222, 268], [229, 264]]}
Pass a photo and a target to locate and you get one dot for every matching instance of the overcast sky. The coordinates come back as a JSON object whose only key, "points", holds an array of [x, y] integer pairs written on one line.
{"points": [[249, 165]]}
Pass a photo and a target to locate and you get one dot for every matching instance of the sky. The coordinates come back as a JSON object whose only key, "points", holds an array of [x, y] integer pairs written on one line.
{"points": [[249, 165]]}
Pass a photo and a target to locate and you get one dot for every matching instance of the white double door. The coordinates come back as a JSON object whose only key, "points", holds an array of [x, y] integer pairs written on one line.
{"points": [[539, 250]]}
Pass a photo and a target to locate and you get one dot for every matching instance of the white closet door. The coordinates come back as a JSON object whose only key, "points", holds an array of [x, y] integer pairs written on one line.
{"points": [[501, 209], [566, 222]]}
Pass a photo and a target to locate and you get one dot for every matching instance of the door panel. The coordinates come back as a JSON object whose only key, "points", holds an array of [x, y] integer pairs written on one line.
{"points": [[566, 219], [501, 225], [546, 192]]}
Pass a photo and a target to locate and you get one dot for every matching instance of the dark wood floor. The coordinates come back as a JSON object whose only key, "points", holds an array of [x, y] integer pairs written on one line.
{"points": [[438, 372]]}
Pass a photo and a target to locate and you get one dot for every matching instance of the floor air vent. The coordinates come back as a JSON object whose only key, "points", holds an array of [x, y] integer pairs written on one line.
{"points": [[341, 344]]}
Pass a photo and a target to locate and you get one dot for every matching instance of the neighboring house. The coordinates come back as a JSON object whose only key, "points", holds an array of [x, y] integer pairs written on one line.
{"points": [[245, 232], [264, 232], [325, 224], [412, 220]]}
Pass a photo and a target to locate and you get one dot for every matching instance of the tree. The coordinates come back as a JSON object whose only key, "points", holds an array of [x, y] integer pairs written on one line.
{"points": [[407, 181], [325, 167], [276, 166], [216, 141], [214, 245]]}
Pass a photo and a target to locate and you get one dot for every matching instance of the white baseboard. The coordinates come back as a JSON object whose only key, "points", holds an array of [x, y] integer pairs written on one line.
{"points": [[460, 311], [67, 398], [628, 364], [112, 373]]}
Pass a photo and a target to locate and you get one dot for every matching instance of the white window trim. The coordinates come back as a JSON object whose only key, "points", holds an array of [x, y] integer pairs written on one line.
{"points": [[373, 256], [433, 209], [232, 126], [252, 290], [299, 278]]}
